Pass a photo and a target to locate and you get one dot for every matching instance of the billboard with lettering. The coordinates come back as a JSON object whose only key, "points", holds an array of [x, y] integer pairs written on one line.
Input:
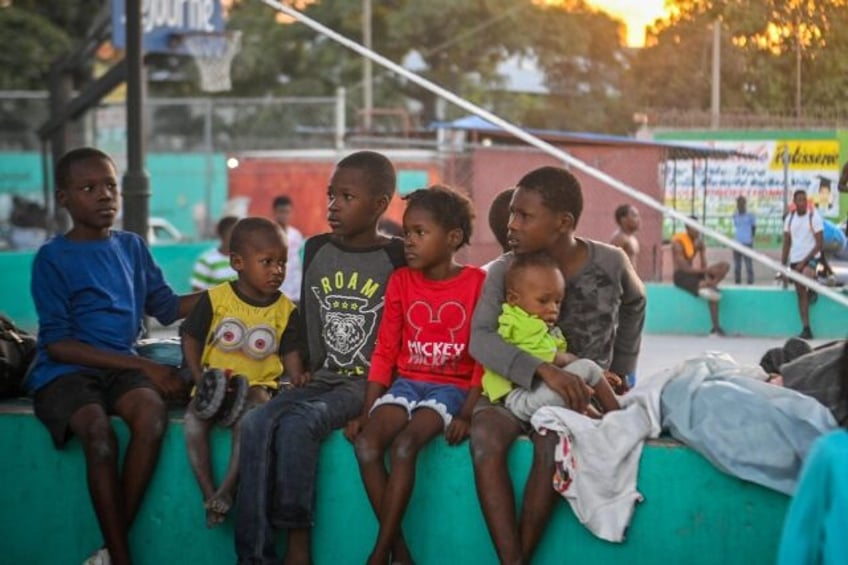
{"points": [[161, 19], [767, 175]]}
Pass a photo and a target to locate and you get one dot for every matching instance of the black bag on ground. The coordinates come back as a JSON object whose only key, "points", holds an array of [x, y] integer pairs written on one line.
{"points": [[17, 350]]}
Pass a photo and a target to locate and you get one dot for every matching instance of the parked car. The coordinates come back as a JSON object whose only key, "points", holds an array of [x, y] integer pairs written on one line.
{"points": [[160, 230]]}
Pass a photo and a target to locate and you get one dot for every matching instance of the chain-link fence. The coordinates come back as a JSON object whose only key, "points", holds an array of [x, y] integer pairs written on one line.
{"points": [[186, 124]]}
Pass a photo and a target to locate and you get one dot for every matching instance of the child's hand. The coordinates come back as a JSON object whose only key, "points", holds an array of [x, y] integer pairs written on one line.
{"points": [[618, 385], [354, 427], [301, 379], [457, 430], [165, 378]]}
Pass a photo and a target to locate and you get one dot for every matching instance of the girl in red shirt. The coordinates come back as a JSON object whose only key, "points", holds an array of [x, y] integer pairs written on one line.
{"points": [[422, 380]]}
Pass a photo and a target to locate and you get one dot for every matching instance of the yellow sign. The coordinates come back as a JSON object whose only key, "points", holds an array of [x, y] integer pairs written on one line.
{"points": [[806, 155]]}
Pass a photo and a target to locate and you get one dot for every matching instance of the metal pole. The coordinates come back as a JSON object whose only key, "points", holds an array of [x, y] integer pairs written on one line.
{"points": [[210, 170], [367, 90], [136, 185], [694, 187], [785, 179], [340, 118], [706, 182], [797, 71], [715, 113], [674, 184]]}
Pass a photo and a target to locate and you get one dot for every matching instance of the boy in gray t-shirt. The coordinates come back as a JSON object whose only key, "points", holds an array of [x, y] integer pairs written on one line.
{"points": [[602, 318], [344, 280]]}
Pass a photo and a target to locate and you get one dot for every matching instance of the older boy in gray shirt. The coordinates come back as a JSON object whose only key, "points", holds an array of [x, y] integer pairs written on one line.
{"points": [[602, 319]]}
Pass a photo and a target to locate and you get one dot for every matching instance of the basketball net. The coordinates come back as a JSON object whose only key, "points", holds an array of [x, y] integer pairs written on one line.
{"points": [[213, 54]]}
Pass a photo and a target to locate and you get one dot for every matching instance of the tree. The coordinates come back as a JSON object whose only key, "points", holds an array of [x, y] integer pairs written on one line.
{"points": [[585, 63], [762, 43], [31, 43]]}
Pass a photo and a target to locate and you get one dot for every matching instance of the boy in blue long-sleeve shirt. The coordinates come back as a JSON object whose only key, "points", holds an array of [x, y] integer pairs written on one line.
{"points": [[92, 287]]}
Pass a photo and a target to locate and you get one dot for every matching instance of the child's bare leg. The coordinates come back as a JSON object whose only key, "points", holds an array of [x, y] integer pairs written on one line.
{"points": [[492, 433], [424, 426], [384, 425], [100, 447], [146, 416], [220, 502], [298, 549], [197, 444], [539, 494]]}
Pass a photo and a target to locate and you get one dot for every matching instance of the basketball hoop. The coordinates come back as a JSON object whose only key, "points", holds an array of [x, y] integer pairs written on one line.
{"points": [[213, 54]]}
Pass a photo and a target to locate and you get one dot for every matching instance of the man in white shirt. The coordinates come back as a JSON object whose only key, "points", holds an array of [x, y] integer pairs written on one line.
{"points": [[294, 264], [802, 244]]}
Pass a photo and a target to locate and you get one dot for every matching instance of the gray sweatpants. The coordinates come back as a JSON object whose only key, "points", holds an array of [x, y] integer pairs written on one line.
{"points": [[524, 403]]}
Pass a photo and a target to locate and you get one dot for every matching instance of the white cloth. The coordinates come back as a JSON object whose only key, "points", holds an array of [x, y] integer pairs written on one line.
{"points": [[747, 428], [598, 460], [294, 265], [803, 230]]}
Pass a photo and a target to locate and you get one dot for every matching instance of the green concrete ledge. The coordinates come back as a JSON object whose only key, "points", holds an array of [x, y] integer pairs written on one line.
{"points": [[762, 311], [692, 513]]}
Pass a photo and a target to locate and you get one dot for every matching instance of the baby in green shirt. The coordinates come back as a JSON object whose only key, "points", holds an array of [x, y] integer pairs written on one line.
{"points": [[535, 289]]}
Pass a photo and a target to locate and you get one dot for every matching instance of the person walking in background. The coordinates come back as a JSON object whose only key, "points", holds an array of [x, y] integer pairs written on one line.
{"points": [[628, 220], [702, 280], [803, 240], [294, 267], [745, 228], [213, 267]]}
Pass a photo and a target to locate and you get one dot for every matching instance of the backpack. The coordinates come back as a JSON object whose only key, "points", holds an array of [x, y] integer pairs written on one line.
{"points": [[17, 351]]}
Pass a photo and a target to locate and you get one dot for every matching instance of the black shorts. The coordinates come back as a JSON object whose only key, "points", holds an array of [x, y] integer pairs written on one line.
{"points": [[812, 264], [690, 282], [56, 402]]}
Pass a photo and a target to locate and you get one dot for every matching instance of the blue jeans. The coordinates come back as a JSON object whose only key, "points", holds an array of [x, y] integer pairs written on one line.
{"points": [[278, 461], [737, 266]]}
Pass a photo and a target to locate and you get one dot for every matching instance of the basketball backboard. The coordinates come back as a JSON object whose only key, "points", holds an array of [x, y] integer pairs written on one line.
{"points": [[162, 19]]}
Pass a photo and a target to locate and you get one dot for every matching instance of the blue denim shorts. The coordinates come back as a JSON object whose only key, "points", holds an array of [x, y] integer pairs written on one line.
{"points": [[445, 399]]}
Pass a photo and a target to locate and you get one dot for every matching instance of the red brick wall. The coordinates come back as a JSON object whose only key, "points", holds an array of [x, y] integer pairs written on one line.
{"points": [[498, 168], [305, 181]]}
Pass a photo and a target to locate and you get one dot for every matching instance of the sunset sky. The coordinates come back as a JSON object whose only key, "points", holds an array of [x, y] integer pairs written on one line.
{"points": [[636, 14]]}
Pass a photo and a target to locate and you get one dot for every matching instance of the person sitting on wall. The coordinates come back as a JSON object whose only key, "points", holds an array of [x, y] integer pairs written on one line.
{"points": [[702, 280]]}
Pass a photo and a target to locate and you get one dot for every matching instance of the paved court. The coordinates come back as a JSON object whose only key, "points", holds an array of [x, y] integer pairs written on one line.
{"points": [[663, 351]]}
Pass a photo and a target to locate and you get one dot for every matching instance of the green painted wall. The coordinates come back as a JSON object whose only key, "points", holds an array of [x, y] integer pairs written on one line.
{"points": [[177, 182], [751, 311], [692, 513]]}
